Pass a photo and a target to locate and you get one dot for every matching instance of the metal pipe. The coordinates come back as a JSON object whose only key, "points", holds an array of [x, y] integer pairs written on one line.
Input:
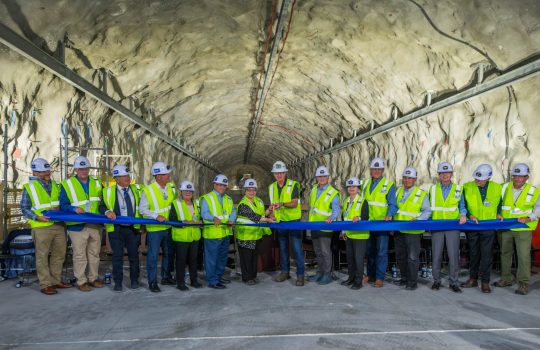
{"points": [[523, 72], [41, 58], [5, 206]]}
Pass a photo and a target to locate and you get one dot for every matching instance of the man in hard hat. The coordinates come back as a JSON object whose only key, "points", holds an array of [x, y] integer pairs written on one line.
{"points": [[122, 199], [155, 203], [218, 212], [482, 198], [324, 206], [522, 201], [413, 204], [284, 196], [380, 193], [82, 194], [49, 236], [446, 199]]}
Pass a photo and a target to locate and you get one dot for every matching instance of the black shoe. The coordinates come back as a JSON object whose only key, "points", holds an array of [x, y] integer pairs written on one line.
{"points": [[400, 282], [436, 286], [356, 285], [134, 285], [455, 288], [167, 282], [411, 287], [196, 285], [348, 282], [182, 287], [224, 280], [217, 286], [154, 287], [117, 287]]}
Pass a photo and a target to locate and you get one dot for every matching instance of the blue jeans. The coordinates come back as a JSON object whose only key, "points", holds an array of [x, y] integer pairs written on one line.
{"points": [[216, 252], [155, 240], [378, 255], [296, 238]]}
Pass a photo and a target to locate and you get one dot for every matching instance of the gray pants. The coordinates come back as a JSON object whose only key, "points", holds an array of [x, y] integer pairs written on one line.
{"points": [[452, 247], [323, 251], [356, 250]]}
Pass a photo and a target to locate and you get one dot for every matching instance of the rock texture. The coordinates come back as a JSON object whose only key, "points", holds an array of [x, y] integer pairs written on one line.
{"points": [[192, 67]]}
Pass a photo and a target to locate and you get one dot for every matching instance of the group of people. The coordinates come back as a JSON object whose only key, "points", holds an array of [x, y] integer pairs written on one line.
{"points": [[376, 198]]}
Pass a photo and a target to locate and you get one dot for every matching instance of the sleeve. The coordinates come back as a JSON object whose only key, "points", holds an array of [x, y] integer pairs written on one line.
{"points": [[144, 208], [336, 208], [425, 210], [536, 211], [232, 217], [26, 205], [296, 191], [102, 207], [65, 204], [205, 211], [391, 199], [461, 205], [173, 216], [244, 210]]}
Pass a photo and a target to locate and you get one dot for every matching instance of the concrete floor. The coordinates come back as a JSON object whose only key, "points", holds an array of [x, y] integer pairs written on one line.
{"points": [[270, 316]]}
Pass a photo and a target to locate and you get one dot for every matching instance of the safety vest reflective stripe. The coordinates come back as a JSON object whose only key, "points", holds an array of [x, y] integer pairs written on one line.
{"points": [[408, 213], [180, 211], [443, 209], [214, 209], [35, 199], [76, 201], [377, 204], [244, 221], [326, 213]]}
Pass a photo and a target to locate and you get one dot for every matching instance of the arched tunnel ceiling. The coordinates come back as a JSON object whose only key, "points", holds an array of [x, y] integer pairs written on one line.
{"points": [[193, 67]]}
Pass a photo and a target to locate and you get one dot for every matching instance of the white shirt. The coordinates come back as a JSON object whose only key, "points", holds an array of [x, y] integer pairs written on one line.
{"points": [[122, 201]]}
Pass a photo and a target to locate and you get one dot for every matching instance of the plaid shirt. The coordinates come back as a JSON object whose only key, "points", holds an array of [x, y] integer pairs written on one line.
{"points": [[26, 202]]}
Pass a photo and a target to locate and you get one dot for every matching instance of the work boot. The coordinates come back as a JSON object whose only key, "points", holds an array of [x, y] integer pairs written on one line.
{"points": [[96, 284], [299, 281], [49, 290], [471, 283], [485, 287], [62, 285], [325, 279], [85, 287], [368, 279], [523, 289], [378, 284], [502, 284], [316, 278], [282, 277]]}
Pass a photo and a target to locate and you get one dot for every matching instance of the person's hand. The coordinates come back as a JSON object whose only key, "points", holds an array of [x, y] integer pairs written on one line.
{"points": [[111, 215], [499, 217], [217, 221], [328, 221], [343, 236], [387, 218], [524, 220], [462, 219], [42, 218], [161, 218], [473, 218], [79, 211], [230, 224], [356, 219]]}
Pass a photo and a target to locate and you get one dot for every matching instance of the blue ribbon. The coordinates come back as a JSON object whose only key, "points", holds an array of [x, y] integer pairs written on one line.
{"points": [[376, 225]]}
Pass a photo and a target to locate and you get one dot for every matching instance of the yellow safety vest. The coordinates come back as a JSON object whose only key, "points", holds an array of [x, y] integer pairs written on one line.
{"points": [[523, 207], [442, 209], [109, 198], [321, 207], [482, 210], [222, 212], [78, 197], [158, 204], [378, 204], [284, 213], [411, 208], [350, 212], [251, 233], [188, 233], [42, 201]]}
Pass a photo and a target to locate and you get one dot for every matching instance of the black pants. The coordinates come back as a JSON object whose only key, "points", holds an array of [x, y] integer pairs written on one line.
{"points": [[356, 250], [248, 263], [128, 237], [186, 252], [171, 248], [407, 247], [481, 254]]}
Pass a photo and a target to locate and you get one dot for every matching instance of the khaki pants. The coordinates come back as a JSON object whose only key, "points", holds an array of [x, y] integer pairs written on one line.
{"points": [[49, 239], [523, 249], [86, 245]]}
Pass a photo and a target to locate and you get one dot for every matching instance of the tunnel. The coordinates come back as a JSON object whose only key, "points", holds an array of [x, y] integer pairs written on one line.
{"points": [[229, 87]]}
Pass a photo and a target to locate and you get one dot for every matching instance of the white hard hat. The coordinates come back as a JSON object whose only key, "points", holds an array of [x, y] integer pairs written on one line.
{"points": [[221, 179], [40, 164], [353, 181], [445, 167], [520, 169], [81, 162], [322, 171], [120, 170], [377, 163], [410, 172], [160, 168], [187, 186], [250, 183], [279, 167], [483, 172]]}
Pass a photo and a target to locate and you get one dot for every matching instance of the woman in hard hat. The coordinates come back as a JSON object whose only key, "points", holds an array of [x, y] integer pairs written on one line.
{"points": [[250, 211], [186, 238]]}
